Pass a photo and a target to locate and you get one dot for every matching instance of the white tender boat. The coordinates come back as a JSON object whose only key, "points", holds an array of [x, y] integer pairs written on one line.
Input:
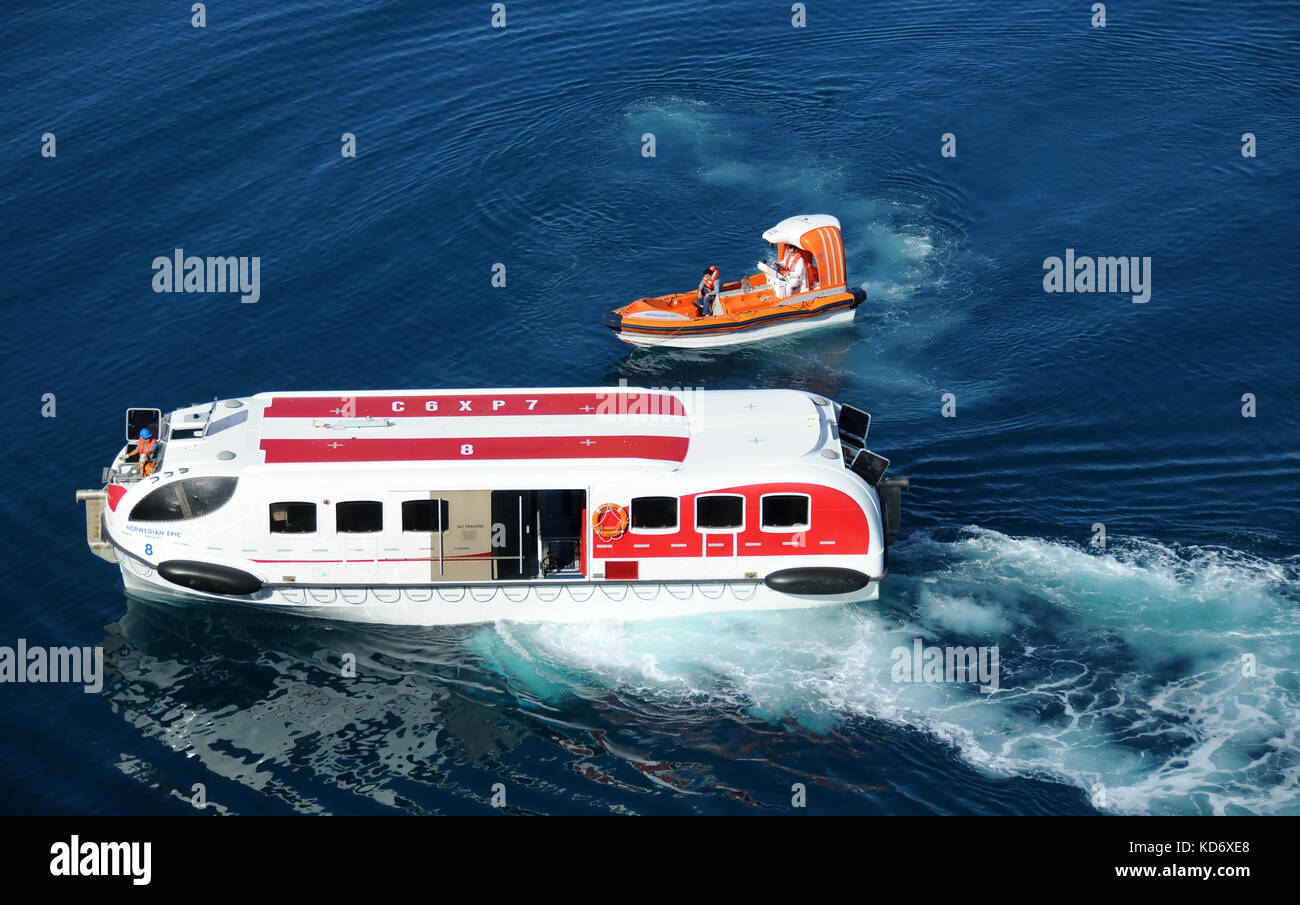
{"points": [[461, 506]]}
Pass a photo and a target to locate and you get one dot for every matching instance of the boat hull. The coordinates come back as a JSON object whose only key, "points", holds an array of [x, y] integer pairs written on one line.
{"points": [[707, 333], [466, 604], [601, 504], [748, 335]]}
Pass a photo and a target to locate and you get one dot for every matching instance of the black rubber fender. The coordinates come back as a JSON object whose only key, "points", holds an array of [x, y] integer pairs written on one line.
{"points": [[817, 580], [208, 577]]}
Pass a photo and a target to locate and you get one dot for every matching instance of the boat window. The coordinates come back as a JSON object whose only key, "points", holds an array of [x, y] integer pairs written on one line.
{"points": [[184, 499], [293, 518], [654, 513], [425, 515], [785, 511], [719, 511], [359, 517]]}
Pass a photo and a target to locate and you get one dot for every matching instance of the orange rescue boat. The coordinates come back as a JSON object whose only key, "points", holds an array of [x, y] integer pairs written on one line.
{"points": [[804, 289]]}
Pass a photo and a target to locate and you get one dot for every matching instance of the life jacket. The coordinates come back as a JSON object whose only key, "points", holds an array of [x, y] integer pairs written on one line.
{"points": [[711, 279], [791, 258], [145, 447]]}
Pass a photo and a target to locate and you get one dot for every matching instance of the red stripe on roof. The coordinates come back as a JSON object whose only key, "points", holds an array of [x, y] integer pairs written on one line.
{"points": [[423, 449], [417, 406]]}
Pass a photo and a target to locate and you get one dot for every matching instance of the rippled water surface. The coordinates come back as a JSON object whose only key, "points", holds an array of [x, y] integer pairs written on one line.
{"points": [[1123, 685]]}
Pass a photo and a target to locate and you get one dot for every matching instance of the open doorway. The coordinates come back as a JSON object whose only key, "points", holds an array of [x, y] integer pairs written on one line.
{"points": [[561, 514], [537, 533]]}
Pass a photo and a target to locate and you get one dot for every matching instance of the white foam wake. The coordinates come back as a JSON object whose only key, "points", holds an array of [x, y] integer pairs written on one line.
{"points": [[1158, 679]]}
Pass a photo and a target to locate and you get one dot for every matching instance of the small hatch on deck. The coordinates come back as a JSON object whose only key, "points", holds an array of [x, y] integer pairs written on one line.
{"points": [[138, 419]]}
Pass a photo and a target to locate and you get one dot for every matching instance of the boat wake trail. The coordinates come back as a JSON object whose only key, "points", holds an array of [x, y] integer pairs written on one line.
{"points": [[897, 246], [1157, 679]]}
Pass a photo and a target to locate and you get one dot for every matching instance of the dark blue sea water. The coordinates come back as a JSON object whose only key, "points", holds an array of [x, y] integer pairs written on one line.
{"points": [[1123, 687]]}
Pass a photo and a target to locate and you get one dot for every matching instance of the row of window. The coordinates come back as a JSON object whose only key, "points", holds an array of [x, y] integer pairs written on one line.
{"points": [[194, 497], [721, 512], [713, 512], [360, 517]]}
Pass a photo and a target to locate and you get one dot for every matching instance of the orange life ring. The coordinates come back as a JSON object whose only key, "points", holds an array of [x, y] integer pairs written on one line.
{"points": [[609, 521]]}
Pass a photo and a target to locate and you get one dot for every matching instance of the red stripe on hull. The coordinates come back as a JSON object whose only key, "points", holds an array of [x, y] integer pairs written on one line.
{"points": [[426, 449], [839, 528], [611, 403]]}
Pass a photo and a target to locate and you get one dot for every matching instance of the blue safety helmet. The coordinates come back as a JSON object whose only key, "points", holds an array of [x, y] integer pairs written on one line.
{"points": [[145, 434]]}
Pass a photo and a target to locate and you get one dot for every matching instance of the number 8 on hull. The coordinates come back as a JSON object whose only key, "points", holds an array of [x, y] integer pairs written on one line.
{"points": [[440, 507]]}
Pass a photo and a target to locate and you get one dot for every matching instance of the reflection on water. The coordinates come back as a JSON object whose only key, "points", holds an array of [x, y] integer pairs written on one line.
{"points": [[257, 707], [816, 361], [258, 699]]}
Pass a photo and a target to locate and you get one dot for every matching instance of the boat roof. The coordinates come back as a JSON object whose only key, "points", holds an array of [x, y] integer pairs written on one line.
{"points": [[791, 230], [625, 426]]}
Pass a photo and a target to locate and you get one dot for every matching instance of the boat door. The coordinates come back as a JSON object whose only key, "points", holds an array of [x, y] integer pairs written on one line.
{"points": [[561, 522], [464, 546], [296, 548], [514, 535], [361, 554], [358, 525], [720, 551], [720, 518]]}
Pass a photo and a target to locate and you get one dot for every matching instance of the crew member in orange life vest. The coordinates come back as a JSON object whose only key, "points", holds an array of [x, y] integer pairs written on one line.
{"points": [[708, 291], [145, 448], [795, 270]]}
